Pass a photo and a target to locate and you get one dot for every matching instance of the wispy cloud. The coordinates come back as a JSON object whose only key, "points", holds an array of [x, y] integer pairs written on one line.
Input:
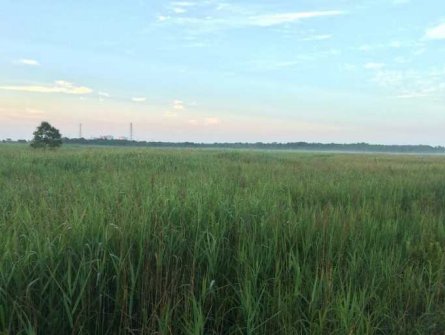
{"points": [[31, 62], [282, 65], [348, 67], [104, 94], [316, 38], [178, 105], [412, 84], [27, 113], [178, 7], [277, 19], [419, 52], [436, 33], [412, 45], [365, 47], [212, 121], [139, 99], [374, 66], [222, 6], [243, 18], [273, 65], [34, 111], [400, 2], [184, 4], [412, 96], [170, 115], [59, 87], [402, 60], [179, 10]]}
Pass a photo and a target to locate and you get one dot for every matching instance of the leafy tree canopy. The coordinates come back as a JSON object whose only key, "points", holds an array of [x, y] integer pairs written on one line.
{"points": [[46, 137]]}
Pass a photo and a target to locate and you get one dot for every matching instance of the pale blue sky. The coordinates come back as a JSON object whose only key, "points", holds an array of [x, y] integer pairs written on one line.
{"points": [[308, 70]]}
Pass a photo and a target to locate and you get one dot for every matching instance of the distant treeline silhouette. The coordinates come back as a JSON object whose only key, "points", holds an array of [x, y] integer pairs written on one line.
{"points": [[352, 147], [365, 147]]}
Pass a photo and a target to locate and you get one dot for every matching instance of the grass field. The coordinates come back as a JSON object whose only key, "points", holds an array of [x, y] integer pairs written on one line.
{"points": [[146, 241]]}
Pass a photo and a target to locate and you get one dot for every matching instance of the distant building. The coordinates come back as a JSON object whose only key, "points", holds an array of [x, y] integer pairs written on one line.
{"points": [[122, 138], [107, 137]]}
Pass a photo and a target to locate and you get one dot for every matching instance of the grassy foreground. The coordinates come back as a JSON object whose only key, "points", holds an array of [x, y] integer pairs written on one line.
{"points": [[145, 241]]}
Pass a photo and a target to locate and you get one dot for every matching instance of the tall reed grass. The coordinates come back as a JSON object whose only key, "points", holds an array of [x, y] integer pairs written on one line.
{"points": [[146, 241]]}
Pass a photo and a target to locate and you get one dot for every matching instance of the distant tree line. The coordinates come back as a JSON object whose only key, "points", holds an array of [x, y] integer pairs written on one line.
{"points": [[352, 147], [8, 140]]}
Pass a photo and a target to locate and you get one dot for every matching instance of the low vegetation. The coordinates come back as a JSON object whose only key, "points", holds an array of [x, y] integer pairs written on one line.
{"points": [[151, 241]]}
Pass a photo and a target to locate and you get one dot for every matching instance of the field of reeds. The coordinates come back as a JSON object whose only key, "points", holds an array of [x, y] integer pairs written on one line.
{"points": [[147, 241]]}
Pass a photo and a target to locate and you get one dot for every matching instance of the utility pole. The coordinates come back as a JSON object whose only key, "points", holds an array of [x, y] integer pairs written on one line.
{"points": [[80, 130], [131, 131]]}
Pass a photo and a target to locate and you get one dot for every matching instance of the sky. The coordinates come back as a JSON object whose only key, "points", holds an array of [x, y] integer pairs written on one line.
{"points": [[225, 71]]}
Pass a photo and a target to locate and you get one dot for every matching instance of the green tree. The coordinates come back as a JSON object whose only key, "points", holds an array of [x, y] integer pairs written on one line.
{"points": [[46, 137]]}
